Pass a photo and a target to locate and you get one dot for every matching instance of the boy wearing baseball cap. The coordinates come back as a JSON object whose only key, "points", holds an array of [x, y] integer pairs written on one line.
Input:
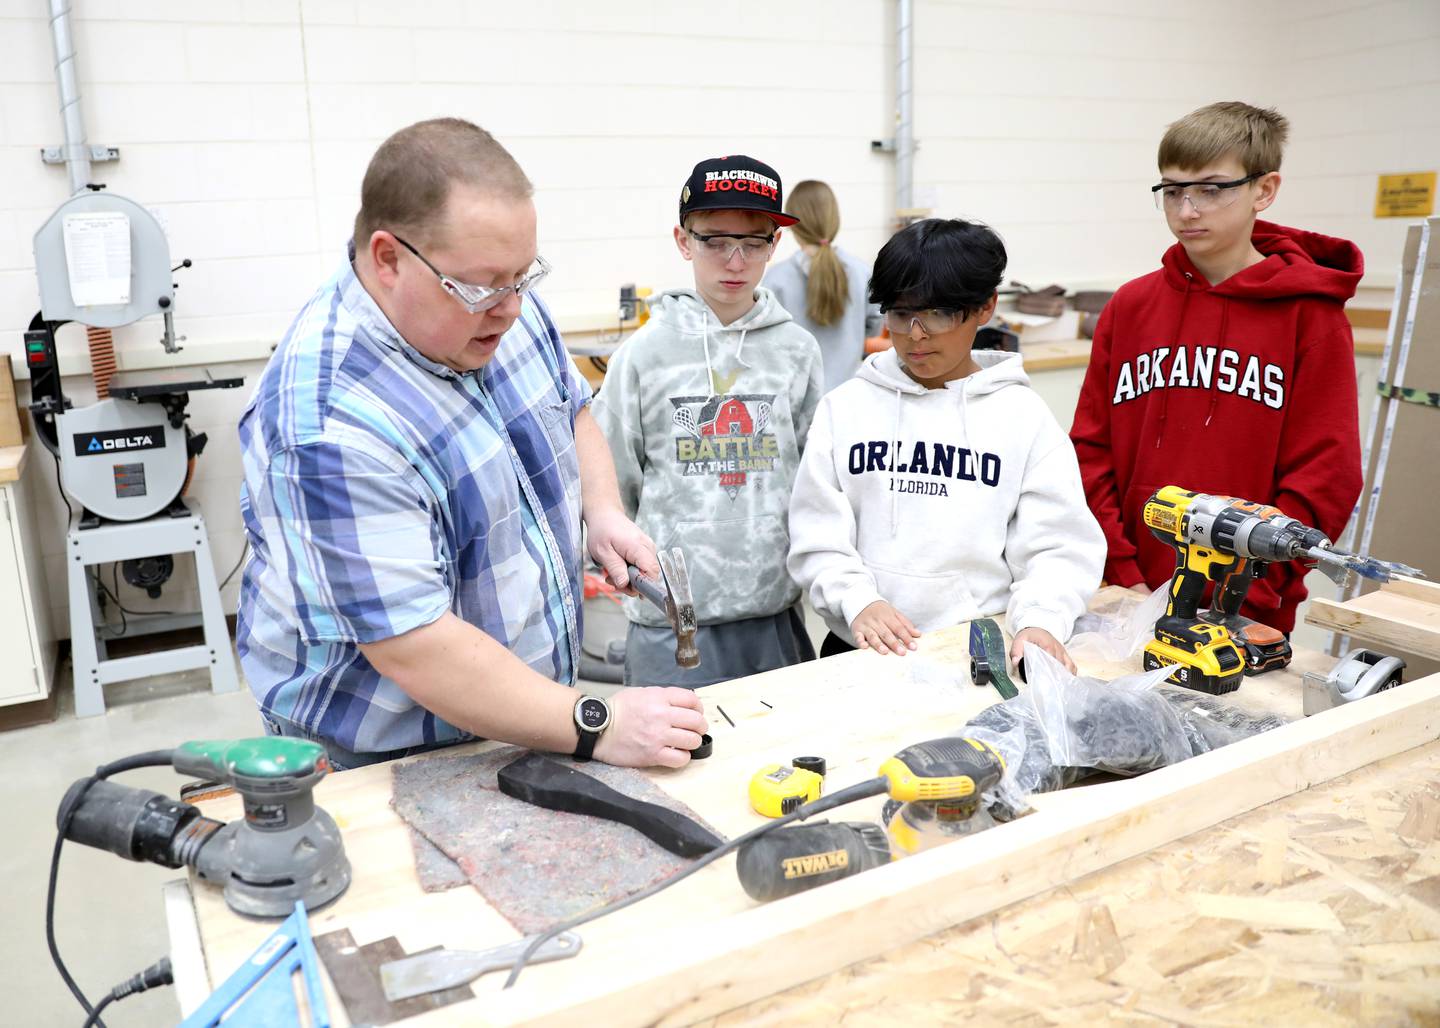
{"points": [[706, 408]]}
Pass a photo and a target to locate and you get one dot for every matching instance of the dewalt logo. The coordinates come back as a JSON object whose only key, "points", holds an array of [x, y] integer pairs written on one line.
{"points": [[815, 864]]}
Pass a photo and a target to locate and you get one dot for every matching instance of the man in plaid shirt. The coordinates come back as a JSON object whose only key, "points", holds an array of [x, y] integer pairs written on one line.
{"points": [[419, 457]]}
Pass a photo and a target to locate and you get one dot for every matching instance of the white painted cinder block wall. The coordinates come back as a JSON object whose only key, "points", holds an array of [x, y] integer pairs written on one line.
{"points": [[247, 125]]}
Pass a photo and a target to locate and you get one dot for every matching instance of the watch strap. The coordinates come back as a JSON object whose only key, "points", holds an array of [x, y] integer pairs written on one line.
{"points": [[585, 748]]}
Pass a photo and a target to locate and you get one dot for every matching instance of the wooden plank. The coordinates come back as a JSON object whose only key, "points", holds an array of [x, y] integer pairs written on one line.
{"points": [[1176, 966], [187, 956], [1383, 617], [1368, 317], [704, 947], [1054, 355], [1414, 588], [12, 462]]}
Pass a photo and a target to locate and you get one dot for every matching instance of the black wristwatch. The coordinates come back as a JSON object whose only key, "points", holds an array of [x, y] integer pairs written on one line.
{"points": [[592, 716]]}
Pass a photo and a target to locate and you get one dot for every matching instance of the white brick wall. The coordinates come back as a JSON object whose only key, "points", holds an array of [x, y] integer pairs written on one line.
{"points": [[247, 125], [1361, 87]]}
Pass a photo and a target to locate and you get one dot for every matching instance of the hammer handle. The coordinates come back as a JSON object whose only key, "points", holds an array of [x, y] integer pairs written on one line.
{"points": [[649, 588]]}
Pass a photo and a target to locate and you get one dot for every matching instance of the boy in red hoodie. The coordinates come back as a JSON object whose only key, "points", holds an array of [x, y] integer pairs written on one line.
{"points": [[1232, 369]]}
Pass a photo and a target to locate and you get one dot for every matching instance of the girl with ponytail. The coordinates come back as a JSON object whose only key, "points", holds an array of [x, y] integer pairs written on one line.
{"points": [[823, 287]]}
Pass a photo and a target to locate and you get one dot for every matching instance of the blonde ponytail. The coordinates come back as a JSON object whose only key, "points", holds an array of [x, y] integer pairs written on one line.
{"points": [[828, 288]]}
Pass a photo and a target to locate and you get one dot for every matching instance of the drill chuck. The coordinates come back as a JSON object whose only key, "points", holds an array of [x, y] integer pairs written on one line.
{"points": [[1276, 539]]}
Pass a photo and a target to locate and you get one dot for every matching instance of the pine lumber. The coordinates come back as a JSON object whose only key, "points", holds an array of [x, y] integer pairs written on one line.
{"points": [[1403, 614]]}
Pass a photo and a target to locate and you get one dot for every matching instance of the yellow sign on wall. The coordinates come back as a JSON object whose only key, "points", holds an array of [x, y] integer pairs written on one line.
{"points": [[1410, 195]]}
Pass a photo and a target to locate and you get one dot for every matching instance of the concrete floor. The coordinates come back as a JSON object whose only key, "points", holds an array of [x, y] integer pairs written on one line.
{"points": [[109, 923]]}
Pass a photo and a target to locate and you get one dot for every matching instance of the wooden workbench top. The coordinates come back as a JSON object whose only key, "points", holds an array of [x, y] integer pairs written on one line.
{"points": [[703, 947], [12, 462]]}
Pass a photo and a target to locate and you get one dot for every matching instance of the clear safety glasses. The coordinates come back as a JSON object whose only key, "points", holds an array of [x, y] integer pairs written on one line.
{"points": [[723, 248], [481, 298], [932, 322], [1203, 196]]}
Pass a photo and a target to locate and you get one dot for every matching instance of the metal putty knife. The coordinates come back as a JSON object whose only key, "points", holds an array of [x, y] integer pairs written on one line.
{"points": [[448, 968]]}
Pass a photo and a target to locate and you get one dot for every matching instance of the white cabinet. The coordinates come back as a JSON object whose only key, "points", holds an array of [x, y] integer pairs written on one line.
{"points": [[27, 640]]}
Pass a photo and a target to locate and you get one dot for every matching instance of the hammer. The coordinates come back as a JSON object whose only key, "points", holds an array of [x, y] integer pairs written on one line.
{"points": [[672, 595]]}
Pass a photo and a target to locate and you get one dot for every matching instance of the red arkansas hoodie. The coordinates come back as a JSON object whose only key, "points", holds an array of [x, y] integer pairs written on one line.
{"points": [[1246, 388]]}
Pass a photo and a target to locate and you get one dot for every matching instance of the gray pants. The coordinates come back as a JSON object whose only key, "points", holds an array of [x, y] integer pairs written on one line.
{"points": [[729, 650]]}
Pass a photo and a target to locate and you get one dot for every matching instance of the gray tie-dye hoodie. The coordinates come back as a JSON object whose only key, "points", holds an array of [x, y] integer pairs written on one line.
{"points": [[706, 423]]}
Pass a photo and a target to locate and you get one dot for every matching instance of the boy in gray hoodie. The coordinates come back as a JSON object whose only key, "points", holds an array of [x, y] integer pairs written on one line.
{"points": [[937, 486], [706, 408]]}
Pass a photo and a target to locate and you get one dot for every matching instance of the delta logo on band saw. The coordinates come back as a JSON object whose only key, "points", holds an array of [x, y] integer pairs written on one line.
{"points": [[91, 444]]}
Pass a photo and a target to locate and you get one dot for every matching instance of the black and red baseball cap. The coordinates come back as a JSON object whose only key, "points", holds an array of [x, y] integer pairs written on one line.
{"points": [[736, 183]]}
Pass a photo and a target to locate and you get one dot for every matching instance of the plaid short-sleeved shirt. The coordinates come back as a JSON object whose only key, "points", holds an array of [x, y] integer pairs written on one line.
{"points": [[383, 489]]}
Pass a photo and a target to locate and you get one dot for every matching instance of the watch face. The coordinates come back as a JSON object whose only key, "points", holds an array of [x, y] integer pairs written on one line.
{"points": [[592, 714]]}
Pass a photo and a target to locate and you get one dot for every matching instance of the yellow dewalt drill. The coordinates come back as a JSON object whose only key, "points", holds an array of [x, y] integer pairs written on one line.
{"points": [[1230, 542]]}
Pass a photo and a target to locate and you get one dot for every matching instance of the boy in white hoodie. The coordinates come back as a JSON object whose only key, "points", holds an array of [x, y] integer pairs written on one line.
{"points": [[706, 408], [937, 487]]}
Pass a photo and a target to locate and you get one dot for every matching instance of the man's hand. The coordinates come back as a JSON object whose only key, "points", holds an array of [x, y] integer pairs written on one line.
{"points": [[1141, 588], [614, 541], [882, 628], [652, 726], [1043, 639], [455, 670]]}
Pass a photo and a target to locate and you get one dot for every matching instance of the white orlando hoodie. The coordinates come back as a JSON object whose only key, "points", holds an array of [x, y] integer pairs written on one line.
{"points": [[949, 504]]}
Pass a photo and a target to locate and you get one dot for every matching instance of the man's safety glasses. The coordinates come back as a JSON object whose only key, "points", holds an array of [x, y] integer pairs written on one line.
{"points": [[481, 298], [751, 247], [1203, 196]]}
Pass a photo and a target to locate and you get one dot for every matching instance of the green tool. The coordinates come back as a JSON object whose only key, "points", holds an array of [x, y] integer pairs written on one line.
{"points": [[284, 849], [987, 657]]}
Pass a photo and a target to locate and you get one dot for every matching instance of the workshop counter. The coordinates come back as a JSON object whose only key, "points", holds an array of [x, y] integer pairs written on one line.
{"points": [[704, 947]]}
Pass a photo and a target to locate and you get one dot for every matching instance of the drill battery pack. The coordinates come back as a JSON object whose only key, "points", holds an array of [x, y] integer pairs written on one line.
{"points": [[1264, 648], [1207, 659]]}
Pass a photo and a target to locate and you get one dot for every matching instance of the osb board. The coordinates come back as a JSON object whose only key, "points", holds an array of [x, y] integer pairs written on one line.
{"points": [[703, 947], [1319, 909]]}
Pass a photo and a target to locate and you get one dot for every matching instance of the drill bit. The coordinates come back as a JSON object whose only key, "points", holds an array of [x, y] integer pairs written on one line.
{"points": [[1337, 563]]}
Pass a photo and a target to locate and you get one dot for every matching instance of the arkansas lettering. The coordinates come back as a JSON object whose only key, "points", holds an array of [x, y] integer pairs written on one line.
{"points": [[1201, 367], [941, 460]]}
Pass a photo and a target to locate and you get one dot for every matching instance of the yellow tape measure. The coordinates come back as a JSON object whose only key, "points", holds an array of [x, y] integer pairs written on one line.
{"points": [[776, 790]]}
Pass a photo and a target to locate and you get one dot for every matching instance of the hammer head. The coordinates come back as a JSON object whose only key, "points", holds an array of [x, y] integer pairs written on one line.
{"points": [[680, 606]]}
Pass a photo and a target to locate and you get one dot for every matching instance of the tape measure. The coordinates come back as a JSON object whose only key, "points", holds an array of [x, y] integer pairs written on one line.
{"points": [[987, 657], [776, 790]]}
